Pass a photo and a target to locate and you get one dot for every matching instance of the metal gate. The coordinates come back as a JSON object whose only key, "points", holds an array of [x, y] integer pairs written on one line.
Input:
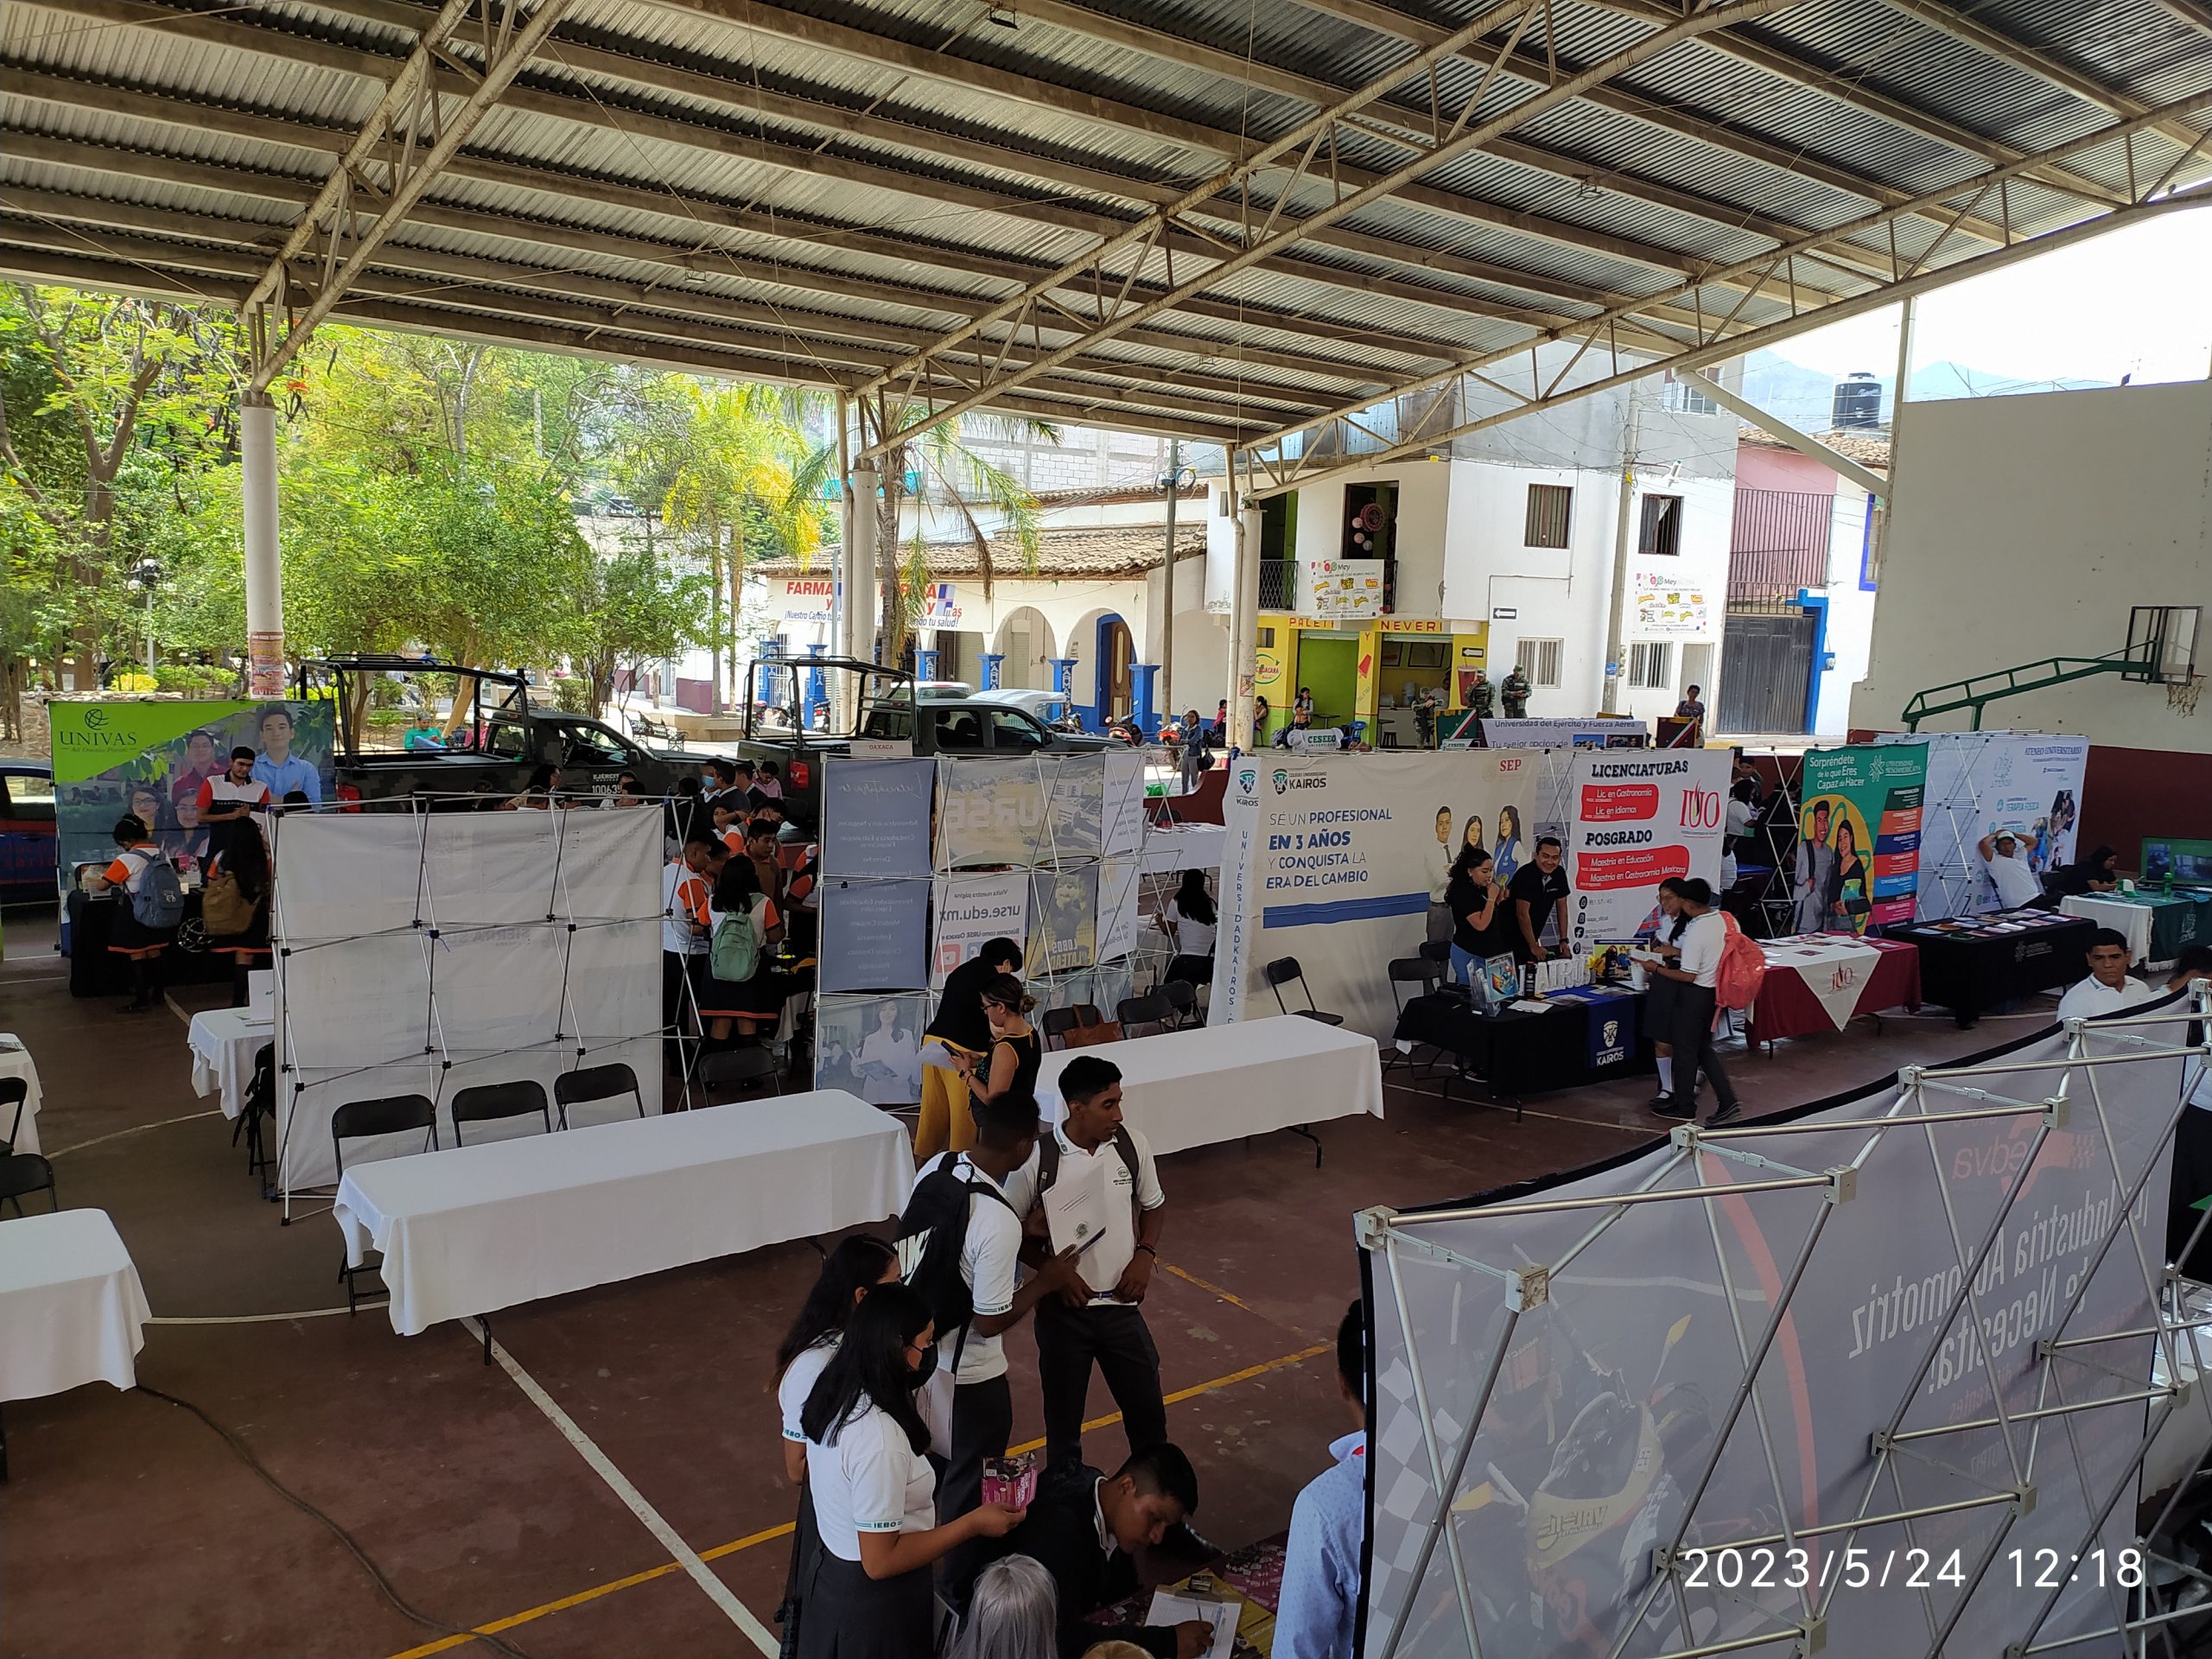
{"points": [[1766, 663]]}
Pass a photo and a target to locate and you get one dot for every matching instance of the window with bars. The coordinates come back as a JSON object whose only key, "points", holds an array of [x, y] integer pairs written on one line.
{"points": [[1661, 536], [1549, 505], [1651, 665], [1538, 660]]}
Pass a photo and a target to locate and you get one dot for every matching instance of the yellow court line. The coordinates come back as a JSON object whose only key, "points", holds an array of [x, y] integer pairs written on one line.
{"points": [[1207, 1285], [496, 1626]]}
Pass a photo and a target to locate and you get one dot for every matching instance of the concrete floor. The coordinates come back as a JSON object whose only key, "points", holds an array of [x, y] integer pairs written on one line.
{"points": [[129, 1527]]}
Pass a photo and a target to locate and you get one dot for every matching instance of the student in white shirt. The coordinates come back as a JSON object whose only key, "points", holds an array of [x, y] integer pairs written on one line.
{"points": [[1696, 973], [848, 1273], [2109, 987], [1099, 1318], [1316, 1613], [868, 1595], [2016, 883], [684, 936], [1189, 922]]}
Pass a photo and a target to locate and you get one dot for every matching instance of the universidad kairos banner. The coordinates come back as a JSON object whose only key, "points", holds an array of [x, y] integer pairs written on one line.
{"points": [[1858, 860], [149, 759]]}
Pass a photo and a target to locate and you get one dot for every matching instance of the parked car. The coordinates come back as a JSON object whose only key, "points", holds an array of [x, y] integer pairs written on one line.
{"points": [[27, 844], [1048, 708]]}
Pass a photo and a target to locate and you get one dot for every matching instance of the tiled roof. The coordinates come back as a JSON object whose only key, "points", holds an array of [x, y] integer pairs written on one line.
{"points": [[1089, 554]]}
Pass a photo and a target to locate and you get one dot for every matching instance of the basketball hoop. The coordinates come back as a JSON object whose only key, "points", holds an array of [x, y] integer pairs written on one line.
{"points": [[2181, 693]]}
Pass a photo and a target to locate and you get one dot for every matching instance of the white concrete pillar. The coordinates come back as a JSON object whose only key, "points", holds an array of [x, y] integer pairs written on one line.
{"points": [[264, 569], [1243, 623], [860, 532]]}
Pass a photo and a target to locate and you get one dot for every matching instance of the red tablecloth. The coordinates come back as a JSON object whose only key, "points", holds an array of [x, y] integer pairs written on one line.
{"points": [[1786, 1006]]}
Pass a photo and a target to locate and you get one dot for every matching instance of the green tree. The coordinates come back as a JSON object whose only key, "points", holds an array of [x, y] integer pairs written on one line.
{"points": [[636, 611]]}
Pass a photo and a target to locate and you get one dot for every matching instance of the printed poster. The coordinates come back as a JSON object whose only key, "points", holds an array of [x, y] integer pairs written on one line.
{"points": [[971, 912], [1063, 920], [1667, 605], [1857, 859], [1118, 885], [875, 816], [1637, 820]]}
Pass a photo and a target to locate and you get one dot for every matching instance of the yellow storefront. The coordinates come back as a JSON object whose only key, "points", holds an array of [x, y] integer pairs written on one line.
{"points": [[1369, 672]]}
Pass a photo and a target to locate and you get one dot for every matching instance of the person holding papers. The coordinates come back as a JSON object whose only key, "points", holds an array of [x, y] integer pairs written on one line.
{"points": [[1092, 1184], [2109, 987], [1696, 971], [1016, 1049], [960, 1029]]}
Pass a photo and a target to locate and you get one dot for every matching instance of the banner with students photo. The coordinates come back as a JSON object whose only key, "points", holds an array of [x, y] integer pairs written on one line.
{"points": [[1634, 821], [1333, 858], [1859, 813], [149, 759]]}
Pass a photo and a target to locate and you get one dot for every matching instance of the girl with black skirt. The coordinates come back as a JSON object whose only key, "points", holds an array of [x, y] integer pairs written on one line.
{"points": [[869, 1594], [853, 1268]]}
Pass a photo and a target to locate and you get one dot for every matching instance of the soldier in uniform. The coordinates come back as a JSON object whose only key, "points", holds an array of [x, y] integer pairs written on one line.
{"points": [[1482, 697], [1515, 693]]}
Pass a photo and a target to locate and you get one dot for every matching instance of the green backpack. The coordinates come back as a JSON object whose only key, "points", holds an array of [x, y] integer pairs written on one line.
{"points": [[733, 956]]}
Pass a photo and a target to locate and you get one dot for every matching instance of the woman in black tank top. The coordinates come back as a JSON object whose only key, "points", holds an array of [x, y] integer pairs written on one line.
{"points": [[1017, 1050]]}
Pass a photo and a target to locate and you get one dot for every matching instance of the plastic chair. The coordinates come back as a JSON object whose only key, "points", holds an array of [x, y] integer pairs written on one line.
{"points": [[359, 1119], [488, 1102], [1285, 970], [594, 1082], [17, 1092], [1134, 1011], [22, 1173], [746, 1068]]}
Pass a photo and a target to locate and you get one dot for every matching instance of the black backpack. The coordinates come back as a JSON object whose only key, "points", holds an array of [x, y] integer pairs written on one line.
{"points": [[1048, 1162], [931, 1234]]}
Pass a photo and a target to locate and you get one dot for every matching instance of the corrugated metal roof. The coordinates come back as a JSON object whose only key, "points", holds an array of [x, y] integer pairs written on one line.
{"points": [[850, 179]]}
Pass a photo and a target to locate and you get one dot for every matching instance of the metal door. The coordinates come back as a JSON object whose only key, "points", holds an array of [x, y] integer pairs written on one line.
{"points": [[1766, 664]]}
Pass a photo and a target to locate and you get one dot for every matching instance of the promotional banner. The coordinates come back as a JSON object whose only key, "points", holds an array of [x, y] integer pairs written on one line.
{"points": [[1124, 819], [1634, 822], [1858, 862], [149, 759], [874, 934], [1979, 783], [1667, 605], [1591, 731], [989, 812], [973, 910], [1118, 883], [1332, 858], [875, 816], [1063, 920], [1565, 1388]]}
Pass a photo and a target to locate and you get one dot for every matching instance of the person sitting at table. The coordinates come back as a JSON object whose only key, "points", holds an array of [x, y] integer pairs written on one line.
{"points": [[2097, 873], [1539, 890], [1696, 973], [128, 937], [1318, 1610], [2016, 884], [1017, 1050], [2109, 987], [1188, 922], [1659, 999], [1086, 1528], [868, 1596], [1479, 905]]}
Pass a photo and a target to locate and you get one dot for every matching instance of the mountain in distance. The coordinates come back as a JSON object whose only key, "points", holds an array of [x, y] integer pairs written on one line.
{"points": [[1804, 397]]}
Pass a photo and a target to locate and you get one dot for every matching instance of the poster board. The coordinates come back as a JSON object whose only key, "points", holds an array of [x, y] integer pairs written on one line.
{"points": [[2029, 783], [1591, 732], [1857, 865], [1635, 820]]}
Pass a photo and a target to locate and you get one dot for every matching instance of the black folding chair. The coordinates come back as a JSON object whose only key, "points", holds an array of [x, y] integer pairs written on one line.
{"points": [[746, 1070], [1057, 1023], [1285, 970], [1428, 974], [1439, 952], [22, 1173], [16, 1092], [489, 1102], [1142, 1016], [258, 1107], [594, 1082], [358, 1120], [1182, 999]]}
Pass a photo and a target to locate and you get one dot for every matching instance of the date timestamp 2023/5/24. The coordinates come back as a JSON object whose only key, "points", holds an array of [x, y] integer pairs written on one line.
{"points": [[1858, 1568]]}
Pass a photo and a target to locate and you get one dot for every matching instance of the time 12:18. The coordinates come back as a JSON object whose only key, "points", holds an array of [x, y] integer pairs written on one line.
{"points": [[2046, 1569]]}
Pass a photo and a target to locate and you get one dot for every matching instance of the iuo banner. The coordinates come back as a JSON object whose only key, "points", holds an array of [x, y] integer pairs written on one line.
{"points": [[1636, 821]]}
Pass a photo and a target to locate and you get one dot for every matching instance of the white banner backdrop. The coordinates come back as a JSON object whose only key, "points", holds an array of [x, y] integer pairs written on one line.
{"points": [[971, 912], [1124, 819], [1330, 859], [1119, 878], [427, 953], [1979, 782], [1638, 818], [1713, 1372]]}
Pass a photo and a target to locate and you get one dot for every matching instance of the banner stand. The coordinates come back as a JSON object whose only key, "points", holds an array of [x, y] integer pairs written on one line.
{"points": [[1989, 1436]]}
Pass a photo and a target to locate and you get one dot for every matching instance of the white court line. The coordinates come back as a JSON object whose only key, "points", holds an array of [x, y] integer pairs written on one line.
{"points": [[655, 1522], [135, 1129], [365, 1305]]}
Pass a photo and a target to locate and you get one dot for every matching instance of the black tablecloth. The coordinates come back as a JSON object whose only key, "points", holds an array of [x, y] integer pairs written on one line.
{"points": [[94, 971], [1521, 1053], [1970, 966]]}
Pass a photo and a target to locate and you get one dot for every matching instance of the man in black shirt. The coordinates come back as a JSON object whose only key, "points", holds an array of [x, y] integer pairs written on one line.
{"points": [[961, 1027], [1085, 1529], [1538, 889]]}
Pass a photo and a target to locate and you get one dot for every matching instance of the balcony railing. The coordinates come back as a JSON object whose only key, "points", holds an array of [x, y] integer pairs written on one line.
{"points": [[1278, 584]]}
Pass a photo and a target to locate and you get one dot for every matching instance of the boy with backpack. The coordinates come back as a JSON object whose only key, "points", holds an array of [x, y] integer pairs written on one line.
{"points": [[146, 913], [1099, 1318], [958, 1244], [1712, 954]]}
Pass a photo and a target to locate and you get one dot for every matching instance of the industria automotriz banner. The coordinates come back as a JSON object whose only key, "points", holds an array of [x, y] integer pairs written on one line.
{"points": [[150, 758], [1569, 1391], [1859, 824], [1332, 858]]}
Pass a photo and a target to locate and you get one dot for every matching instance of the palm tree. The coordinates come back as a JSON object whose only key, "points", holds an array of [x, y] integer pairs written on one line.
{"points": [[944, 470]]}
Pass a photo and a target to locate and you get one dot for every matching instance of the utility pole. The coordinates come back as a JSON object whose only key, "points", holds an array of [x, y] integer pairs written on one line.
{"points": [[1167, 710], [1616, 611]]}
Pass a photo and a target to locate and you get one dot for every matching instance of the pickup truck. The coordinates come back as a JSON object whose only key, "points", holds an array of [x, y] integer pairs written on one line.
{"points": [[796, 719], [501, 738]]}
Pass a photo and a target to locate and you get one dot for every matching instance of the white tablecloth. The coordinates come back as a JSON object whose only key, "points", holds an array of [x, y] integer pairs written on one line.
{"points": [[223, 1042], [2133, 920], [474, 1229], [1218, 1082], [72, 1310], [1186, 847], [1815, 958], [17, 1062]]}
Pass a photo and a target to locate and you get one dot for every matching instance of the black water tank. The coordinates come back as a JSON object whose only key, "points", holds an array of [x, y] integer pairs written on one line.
{"points": [[1858, 403]]}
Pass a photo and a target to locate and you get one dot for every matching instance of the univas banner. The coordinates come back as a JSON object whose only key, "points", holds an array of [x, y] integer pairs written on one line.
{"points": [[1635, 820], [1857, 863]]}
